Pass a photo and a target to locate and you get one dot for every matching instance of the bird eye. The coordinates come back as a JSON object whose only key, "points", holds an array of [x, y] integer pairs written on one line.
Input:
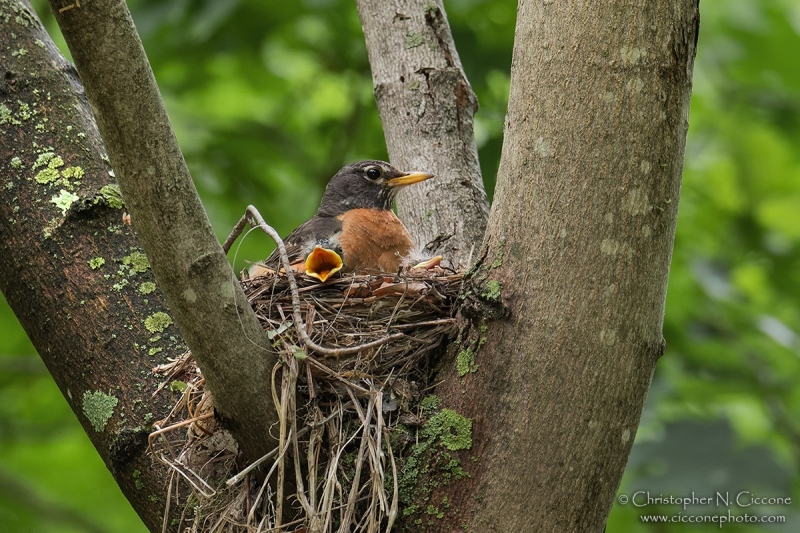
{"points": [[373, 173]]}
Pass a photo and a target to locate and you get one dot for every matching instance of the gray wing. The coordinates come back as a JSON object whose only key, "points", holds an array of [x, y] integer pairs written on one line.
{"points": [[322, 231]]}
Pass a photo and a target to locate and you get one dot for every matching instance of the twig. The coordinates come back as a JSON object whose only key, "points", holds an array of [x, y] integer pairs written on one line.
{"points": [[174, 467], [266, 481], [237, 230], [396, 492], [426, 323], [155, 434], [252, 466], [165, 522], [71, 6]]}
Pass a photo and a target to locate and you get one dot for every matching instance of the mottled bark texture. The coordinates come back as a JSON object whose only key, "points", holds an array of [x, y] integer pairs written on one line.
{"points": [[188, 262], [427, 106], [578, 248], [72, 270]]}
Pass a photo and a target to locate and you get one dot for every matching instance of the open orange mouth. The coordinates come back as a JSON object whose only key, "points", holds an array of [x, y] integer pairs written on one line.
{"points": [[322, 263]]}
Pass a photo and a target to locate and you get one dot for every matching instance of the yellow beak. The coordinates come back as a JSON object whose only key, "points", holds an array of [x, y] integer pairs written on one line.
{"points": [[408, 179], [322, 263]]}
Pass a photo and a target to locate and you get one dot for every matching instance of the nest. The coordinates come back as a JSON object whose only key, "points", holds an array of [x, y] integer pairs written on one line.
{"points": [[355, 369]]}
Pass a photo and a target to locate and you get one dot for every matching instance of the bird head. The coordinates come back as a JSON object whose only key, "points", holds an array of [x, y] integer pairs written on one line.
{"points": [[366, 184]]}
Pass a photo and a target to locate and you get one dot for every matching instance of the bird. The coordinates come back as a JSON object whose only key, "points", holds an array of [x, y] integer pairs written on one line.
{"points": [[354, 229]]}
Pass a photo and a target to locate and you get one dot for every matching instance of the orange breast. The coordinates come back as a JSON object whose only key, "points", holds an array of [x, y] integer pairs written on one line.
{"points": [[373, 240]]}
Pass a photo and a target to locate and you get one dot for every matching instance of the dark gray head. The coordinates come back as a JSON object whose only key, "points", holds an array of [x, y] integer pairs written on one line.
{"points": [[366, 184]]}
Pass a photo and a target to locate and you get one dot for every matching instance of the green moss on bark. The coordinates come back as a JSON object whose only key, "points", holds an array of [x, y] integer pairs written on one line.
{"points": [[98, 408]]}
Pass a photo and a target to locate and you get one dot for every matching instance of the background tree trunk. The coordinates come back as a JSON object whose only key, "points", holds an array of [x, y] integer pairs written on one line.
{"points": [[578, 247], [71, 269], [426, 106]]}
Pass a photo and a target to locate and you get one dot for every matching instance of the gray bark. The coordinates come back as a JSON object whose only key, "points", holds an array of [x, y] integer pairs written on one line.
{"points": [[578, 245], [188, 262], [72, 269], [427, 106]]}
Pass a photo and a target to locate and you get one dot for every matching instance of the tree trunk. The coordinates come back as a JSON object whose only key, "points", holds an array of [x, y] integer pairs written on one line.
{"points": [[72, 269], [426, 106], [199, 285], [578, 248]]}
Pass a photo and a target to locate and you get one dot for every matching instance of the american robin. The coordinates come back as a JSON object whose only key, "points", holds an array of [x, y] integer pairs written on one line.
{"points": [[355, 228]]}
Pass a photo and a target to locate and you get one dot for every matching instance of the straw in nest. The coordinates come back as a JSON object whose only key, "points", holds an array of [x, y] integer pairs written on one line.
{"points": [[353, 355]]}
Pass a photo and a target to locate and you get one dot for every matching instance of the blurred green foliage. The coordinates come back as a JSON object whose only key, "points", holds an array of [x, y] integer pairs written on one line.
{"points": [[269, 99]]}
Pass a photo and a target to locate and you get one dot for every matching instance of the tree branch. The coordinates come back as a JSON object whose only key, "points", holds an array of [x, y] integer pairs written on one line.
{"points": [[198, 283], [71, 268], [427, 106]]}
